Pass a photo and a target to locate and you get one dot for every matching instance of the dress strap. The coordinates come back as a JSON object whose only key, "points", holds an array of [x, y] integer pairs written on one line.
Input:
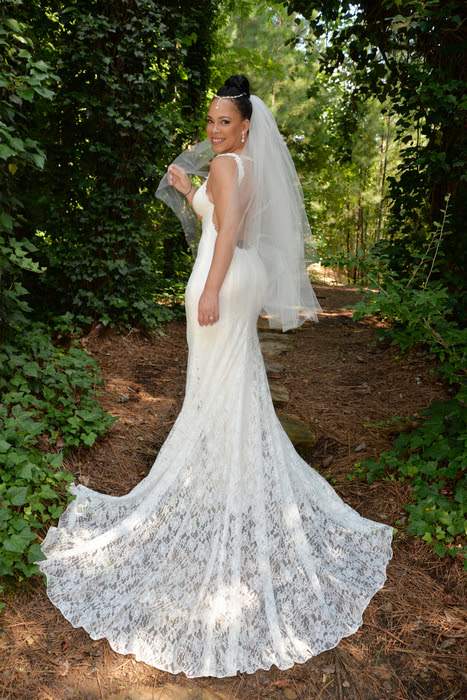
{"points": [[239, 163]]}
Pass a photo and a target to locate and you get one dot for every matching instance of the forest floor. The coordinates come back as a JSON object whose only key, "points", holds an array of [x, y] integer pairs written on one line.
{"points": [[341, 381]]}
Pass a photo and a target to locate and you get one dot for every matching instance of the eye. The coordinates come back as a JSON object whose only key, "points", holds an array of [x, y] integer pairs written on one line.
{"points": [[224, 121]]}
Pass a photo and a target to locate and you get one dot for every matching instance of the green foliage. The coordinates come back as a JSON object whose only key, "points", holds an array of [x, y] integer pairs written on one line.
{"points": [[127, 73], [95, 101], [434, 454], [433, 458], [420, 311], [411, 57], [48, 406], [32, 493], [24, 80], [419, 316]]}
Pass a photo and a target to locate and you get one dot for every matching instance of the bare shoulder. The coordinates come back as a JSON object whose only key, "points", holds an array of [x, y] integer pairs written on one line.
{"points": [[222, 169]]}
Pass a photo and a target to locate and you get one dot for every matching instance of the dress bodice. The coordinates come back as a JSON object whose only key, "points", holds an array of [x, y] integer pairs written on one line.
{"points": [[201, 202]]}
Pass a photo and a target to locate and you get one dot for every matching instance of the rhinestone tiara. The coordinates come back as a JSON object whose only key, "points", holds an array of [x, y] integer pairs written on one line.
{"points": [[229, 97]]}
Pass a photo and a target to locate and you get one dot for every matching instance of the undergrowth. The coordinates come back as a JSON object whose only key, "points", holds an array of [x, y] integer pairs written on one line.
{"points": [[432, 452], [49, 405]]}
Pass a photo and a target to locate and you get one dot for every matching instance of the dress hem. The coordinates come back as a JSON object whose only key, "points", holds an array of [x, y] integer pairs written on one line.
{"points": [[125, 650]]}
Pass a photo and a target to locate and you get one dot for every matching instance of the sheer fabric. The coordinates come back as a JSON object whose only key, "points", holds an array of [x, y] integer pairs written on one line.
{"points": [[232, 554], [266, 209]]}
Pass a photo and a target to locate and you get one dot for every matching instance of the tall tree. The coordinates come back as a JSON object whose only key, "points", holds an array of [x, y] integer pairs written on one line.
{"points": [[413, 54], [334, 136]]}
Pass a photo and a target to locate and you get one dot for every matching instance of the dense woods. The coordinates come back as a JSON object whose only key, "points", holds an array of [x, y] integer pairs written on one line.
{"points": [[96, 100]]}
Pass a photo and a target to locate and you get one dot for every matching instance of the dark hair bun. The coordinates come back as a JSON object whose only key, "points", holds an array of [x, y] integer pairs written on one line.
{"points": [[235, 86], [239, 83]]}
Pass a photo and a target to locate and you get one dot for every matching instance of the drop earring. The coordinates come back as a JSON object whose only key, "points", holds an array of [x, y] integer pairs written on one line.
{"points": [[243, 136]]}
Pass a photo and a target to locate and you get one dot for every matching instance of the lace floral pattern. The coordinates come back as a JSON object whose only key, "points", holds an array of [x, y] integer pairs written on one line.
{"points": [[232, 554]]}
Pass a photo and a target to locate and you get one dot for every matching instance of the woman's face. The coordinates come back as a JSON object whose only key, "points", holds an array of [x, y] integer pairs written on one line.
{"points": [[225, 125]]}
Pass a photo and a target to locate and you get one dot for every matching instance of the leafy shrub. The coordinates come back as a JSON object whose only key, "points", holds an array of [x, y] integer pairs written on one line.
{"points": [[48, 406], [131, 77], [419, 317], [433, 455], [24, 80]]}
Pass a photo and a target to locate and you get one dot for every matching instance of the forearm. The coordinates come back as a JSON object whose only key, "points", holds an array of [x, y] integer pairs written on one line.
{"points": [[224, 249], [191, 194]]}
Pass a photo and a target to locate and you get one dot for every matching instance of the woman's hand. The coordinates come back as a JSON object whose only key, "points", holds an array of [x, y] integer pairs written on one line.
{"points": [[178, 178], [208, 307]]}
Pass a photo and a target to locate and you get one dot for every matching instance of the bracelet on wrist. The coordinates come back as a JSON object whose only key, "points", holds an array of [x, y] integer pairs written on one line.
{"points": [[185, 194]]}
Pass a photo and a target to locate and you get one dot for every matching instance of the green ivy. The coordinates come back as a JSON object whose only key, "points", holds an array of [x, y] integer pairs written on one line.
{"points": [[432, 458], [131, 77], [24, 80], [48, 407]]}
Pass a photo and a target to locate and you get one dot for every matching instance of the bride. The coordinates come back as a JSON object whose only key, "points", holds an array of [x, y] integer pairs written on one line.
{"points": [[232, 554]]}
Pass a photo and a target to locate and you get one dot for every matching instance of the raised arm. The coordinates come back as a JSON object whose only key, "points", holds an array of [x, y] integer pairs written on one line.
{"points": [[182, 182]]}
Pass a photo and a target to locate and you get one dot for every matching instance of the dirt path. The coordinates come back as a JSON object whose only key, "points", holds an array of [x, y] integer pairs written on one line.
{"points": [[339, 380]]}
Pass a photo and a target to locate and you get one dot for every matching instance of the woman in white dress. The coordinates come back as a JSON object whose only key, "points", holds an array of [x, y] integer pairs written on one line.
{"points": [[232, 554]]}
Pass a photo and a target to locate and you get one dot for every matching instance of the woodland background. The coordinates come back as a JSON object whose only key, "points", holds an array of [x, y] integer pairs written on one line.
{"points": [[97, 98]]}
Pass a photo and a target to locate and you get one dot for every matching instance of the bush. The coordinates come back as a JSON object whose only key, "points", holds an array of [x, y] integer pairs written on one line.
{"points": [[432, 457], [434, 454], [48, 406]]}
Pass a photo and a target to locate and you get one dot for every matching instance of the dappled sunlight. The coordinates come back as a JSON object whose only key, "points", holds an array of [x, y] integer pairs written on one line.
{"points": [[119, 386], [337, 313], [121, 458], [202, 511], [230, 602]]}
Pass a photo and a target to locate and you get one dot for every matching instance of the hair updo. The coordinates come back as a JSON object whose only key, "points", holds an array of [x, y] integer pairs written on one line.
{"points": [[235, 85]]}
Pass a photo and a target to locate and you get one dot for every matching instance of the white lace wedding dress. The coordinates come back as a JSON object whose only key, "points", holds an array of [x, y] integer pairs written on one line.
{"points": [[232, 554]]}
